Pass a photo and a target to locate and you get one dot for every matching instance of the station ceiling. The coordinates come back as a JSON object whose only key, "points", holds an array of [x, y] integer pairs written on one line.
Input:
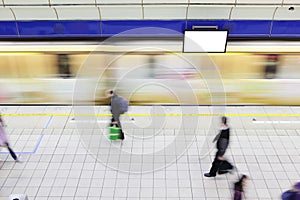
{"points": [[149, 9]]}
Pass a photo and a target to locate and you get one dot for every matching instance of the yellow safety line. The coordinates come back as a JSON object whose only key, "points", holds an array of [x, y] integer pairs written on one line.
{"points": [[154, 115]]}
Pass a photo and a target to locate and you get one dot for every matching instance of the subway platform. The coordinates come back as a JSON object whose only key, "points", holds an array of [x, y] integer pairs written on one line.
{"points": [[66, 153]]}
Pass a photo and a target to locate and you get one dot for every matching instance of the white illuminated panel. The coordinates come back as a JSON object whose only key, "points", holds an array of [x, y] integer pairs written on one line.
{"points": [[205, 41]]}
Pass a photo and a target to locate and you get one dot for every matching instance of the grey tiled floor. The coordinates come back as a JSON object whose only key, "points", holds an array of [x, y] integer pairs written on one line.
{"points": [[63, 158]]}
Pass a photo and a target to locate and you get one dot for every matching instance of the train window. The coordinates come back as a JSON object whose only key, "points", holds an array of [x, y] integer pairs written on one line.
{"points": [[271, 66], [63, 65]]}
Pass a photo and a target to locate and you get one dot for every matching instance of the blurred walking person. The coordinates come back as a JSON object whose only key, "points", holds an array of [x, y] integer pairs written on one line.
{"points": [[118, 106], [220, 164], [239, 188], [293, 194], [4, 140]]}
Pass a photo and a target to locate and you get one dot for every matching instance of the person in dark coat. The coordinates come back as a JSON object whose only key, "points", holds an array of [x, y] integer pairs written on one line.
{"points": [[219, 164], [116, 110], [239, 188], [293, 194]]}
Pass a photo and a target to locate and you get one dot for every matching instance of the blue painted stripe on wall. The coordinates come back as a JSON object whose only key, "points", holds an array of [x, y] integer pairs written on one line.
{"points": [[236, 28], [78, 28], [106, 28], [289, 28], [8, 29], [141, 27]]}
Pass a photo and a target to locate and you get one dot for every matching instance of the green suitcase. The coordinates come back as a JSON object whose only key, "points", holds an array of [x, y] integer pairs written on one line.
{"points": [[114, 132]]}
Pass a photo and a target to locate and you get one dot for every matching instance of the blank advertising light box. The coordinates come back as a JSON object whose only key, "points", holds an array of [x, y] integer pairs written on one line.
{"points": [[209, 41]]}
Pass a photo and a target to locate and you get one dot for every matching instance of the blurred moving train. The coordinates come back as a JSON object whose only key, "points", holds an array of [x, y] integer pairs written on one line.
{"points": [[251, 72]]}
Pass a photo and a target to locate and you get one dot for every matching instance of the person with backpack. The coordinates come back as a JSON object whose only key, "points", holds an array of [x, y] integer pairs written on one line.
{"points": [[239, 188], [4, 140], [118, 106], [220, 164], [293, 194]]}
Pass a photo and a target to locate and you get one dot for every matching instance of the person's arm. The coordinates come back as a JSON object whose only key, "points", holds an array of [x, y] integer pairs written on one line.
{"points": [[110, 104], [216, 137], [1, 121]]}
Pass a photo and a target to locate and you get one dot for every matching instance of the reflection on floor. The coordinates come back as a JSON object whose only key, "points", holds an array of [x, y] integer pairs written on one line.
{"points": [[163, 156]]}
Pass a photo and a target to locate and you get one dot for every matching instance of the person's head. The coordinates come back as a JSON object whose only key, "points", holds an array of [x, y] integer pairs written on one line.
{"points": [[224, 120], [109, 93], [243, 179]]}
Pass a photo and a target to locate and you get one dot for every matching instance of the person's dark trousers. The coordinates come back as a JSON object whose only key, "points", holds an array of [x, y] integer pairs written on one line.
{"points": [[117, 119], [215, 166], [12, 153], [111, 122], [237, 195], [225, 166]]}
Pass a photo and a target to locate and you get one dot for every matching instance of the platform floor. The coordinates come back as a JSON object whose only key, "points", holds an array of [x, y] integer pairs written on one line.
{"points": [[66, 157]]}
